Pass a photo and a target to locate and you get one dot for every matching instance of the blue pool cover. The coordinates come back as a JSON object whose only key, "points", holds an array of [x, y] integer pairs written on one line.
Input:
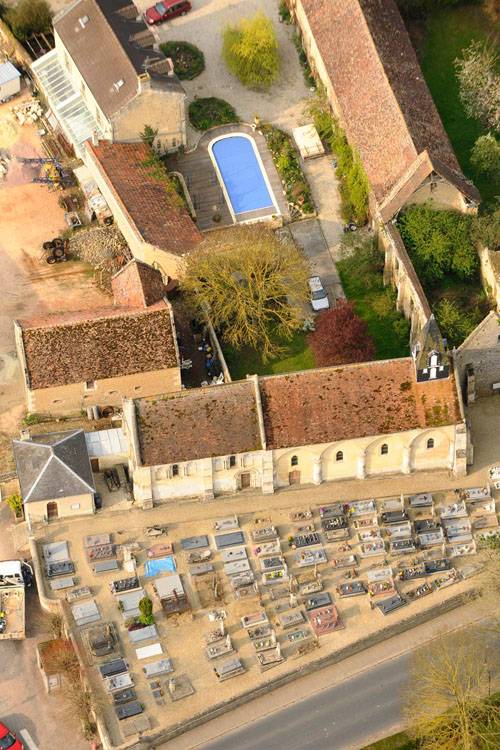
{"points": [[242, 174], [161, 565]]}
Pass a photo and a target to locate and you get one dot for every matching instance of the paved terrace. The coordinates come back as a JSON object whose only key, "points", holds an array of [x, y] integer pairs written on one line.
{"points": [[203, 184]]}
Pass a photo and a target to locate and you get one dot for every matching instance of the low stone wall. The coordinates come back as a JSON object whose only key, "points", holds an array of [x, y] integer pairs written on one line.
{"points": [[490, 272]]}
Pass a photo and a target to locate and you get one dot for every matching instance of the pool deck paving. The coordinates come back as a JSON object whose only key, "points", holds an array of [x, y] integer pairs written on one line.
{"points": [[203, 183]]}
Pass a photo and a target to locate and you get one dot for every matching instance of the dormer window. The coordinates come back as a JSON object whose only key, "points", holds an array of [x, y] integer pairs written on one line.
{"points": [[118, 84], [83, 21]]}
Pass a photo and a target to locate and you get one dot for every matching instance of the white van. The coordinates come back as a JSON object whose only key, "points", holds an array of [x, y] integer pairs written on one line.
{"points": [[319, 298]]}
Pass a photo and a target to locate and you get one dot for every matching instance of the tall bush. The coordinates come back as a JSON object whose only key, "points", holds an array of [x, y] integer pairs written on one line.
{"points": [[251, 51], [29, 17]]}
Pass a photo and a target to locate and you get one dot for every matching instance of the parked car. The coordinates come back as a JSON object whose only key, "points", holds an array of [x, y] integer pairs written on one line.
{"points": [[319, 298], [8, 740], [166, 10]]}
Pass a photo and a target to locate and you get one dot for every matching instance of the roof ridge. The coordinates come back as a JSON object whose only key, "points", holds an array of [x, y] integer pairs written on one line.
{"points": [[68, 467], [119, 313]]}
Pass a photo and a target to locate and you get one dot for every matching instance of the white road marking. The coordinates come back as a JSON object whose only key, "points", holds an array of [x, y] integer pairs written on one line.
{"points": [[28, 739]]}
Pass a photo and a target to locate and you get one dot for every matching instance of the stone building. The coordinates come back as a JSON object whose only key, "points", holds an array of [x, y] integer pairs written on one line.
{"points": [[158, 230], [73, 360], [329, 424], [478, 359], [361, 52], [107, 77], [55, 476]]}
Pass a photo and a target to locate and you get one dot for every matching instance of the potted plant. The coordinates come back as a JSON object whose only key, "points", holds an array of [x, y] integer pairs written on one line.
{"points": [[15, 503]]}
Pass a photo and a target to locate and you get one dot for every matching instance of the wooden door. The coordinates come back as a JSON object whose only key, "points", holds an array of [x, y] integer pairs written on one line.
{"points": [[245, 480], [94, 464], [294, 477], [52, 511]]}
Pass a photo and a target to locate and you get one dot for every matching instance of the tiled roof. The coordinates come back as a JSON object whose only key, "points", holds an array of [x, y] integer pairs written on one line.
{"points": [[158, 219], [386, 107], [109, 47], [199, 423], [137, 285], [53, 466], [341, 403], [73, 347]]}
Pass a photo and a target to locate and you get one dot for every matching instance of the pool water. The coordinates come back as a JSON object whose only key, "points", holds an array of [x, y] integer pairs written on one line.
{"points": [[242, 174]]}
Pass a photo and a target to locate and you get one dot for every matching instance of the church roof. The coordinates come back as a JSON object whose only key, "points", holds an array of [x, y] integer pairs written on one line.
{"points": [[53, 466]]}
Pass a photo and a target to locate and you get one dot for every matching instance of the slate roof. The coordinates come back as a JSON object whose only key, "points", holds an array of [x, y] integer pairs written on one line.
{"points": [[157, 218], [138, 284], [111, 46], [74, 347], [386, 107], [53, 466], [198, 423], [341, 403]]}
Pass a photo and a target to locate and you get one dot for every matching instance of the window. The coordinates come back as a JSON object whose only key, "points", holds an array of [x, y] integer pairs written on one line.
{"points": [[232, 461], [175, 470], [430, 443], [75, 506], [339, 456], [384, 450], [90, 385], [294, 461]]}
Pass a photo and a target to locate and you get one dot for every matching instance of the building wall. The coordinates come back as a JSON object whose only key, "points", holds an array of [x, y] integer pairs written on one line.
{"points": [[481, 350], [68, 399], [162, 110], [490, 272], [270, 470], [80, 85], [78, 505], [440, 193]]}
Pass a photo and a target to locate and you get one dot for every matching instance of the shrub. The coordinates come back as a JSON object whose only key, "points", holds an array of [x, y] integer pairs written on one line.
{"points": [[189, 61], [29, 17], [287, 163], [251, 51], [146, 611], [209, 112], [485, 156], [284, 12], [15, 503], [454, 324], [439, 243], [341, 337], [308, 76]]}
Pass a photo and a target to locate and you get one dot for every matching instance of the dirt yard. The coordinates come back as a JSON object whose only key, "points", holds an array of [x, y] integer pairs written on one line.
{"points": [[29, 215]]}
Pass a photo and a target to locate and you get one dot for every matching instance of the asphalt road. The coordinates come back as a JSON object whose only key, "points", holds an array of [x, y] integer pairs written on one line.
{"points": [[343, 717]]}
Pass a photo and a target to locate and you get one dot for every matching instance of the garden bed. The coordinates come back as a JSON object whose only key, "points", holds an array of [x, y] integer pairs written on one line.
{"points": [[210, 112], [188, 60], [361, 274], [287, 162]]}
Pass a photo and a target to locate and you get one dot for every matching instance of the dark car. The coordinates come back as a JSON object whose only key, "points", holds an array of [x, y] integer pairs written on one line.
{"points": [[166, 10], [8, 740]]}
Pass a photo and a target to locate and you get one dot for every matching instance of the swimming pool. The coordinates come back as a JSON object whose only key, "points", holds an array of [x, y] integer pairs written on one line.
{"points": [[242, 175]]}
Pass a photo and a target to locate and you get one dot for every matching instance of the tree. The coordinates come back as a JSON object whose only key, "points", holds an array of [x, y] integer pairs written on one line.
{"points": [[341, 337], [486, 229], [448, 705], [251, 51], [485, 156], [252, 284], [439, 243], [148, 135], [454, 324], [29, 17], [146, 611], [480, 83]]}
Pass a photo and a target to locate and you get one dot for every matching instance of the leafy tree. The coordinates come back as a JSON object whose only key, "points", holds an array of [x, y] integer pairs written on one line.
{"points": [[29, 17], [479, 80], [454, 324], [251, 51], [253, 285], [448, 705], [341, 337], [485, 156], [146, 611], [439, 243]]}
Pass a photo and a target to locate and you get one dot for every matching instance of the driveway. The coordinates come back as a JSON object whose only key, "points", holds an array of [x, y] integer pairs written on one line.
{"points": [[203, 26]]}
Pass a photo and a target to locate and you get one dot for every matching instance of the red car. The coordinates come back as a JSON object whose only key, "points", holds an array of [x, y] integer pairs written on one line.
{"points": [[8, 740], [166, 10]]}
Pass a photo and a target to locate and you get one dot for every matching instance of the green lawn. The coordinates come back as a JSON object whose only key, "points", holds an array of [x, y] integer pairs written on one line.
{"points": [[361, 277], [296, 355], [399, 741], [448, 32]]}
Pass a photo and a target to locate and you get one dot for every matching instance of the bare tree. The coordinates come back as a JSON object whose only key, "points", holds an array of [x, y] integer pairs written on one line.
{"points": [[480, 83], [252, 283], [448, 705]]}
